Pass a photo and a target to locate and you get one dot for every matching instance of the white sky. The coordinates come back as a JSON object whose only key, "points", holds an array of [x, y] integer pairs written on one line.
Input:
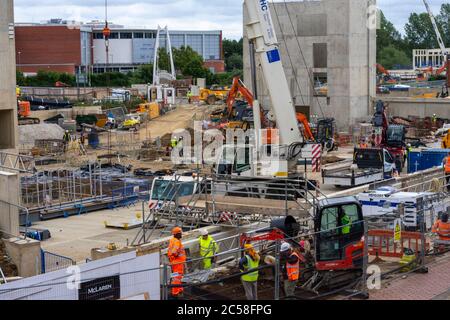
{"points": [[225, 15]]}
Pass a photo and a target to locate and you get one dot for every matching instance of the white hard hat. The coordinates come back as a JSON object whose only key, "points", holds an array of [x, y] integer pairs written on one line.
{"points": [[204, 232], [285, 247]]}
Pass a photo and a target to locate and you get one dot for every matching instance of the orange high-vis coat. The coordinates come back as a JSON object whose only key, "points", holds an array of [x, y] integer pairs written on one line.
{"points": [[293, 270], [177, 258], [442, 229], [447, 165]]}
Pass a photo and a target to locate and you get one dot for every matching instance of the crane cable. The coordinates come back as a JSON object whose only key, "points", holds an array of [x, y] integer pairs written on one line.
{"points": [[310, 75], [289, 56]]}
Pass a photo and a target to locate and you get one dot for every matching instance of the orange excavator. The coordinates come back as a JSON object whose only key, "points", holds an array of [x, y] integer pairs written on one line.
{"points": [[24, 111], [386, 75], [237, 117]]}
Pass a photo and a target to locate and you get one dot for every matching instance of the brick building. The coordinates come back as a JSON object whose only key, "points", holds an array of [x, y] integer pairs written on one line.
{"points": [[53, 48], [65, 46]]}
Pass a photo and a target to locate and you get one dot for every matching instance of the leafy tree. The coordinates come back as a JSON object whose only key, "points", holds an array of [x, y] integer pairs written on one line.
{"points": [[391, 57], [420, 32], [144, 74], [387, 35], [443, 19], [231, 47], [234, 62]]}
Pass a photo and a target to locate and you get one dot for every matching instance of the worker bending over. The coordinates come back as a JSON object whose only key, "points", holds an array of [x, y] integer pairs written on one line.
{"points": [[250, 261], [290, 267], [177, 259], [442, 228], [208, 249]]}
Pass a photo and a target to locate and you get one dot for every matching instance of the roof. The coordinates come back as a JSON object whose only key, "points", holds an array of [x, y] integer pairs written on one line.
{"points": [[329, 202]]}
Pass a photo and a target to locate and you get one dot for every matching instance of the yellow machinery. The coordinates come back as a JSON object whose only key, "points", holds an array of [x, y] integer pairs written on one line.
{"points": [[213, 94], [132, 121], [152, 109]]}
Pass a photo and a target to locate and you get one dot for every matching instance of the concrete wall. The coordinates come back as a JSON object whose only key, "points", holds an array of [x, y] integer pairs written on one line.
{"points": [[8, 106], [415, 107], [9, 193], [26, 255], [351, 56]]}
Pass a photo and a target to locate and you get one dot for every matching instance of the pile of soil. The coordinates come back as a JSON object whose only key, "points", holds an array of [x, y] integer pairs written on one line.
{"points": [[8, 267]]}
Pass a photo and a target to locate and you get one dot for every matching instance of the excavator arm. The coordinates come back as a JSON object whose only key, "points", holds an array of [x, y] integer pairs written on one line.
{"points": [[238, 87], [301, 118]]}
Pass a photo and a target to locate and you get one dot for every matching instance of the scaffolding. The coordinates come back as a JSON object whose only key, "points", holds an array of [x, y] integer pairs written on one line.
{"points": [[226, 201]]}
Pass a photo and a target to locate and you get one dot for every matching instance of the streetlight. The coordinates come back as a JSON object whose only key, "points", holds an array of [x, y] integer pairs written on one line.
{"points": [[19, 53]]}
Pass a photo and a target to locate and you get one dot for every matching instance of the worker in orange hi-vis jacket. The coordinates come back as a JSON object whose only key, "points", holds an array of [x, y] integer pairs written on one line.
{"points": [[177, 259]]}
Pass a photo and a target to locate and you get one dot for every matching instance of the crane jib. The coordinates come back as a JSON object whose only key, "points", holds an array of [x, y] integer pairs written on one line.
{"points": [[273, 55]]}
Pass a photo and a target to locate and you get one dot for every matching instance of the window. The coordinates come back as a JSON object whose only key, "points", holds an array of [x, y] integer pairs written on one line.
{"points": [[320, 84], [320, 55], [329, 240], [139, 35], [242, 160], [114, 35], [98, 35], [150, 35], [329, 219], [126, 35]]}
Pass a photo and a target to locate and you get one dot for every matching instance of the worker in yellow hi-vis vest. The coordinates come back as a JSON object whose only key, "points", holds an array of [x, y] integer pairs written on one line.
{"points": [[208, 249]]}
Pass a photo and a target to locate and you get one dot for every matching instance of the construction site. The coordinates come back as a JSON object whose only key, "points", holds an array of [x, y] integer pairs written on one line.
{"points": [[318, 175]]}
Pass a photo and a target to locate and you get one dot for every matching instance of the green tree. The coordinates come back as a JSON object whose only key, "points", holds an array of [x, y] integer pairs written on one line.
{"points": [[143, 74], [443, 20], [387, 35], [390, 57], [234, 62], [420, 32]]}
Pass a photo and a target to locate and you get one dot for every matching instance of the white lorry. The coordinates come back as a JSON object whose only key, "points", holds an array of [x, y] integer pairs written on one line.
{"points": [[369, 165]]}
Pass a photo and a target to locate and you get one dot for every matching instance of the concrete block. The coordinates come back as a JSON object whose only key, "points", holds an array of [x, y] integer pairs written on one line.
{"points": [[9, 196], [25, 254]]}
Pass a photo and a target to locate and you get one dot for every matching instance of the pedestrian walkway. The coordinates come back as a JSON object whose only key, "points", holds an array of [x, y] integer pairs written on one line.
{"points": [[434, 285]]}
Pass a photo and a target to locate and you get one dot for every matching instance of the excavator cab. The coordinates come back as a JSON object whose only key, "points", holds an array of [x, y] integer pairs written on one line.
{"points": [[339, 232], [326, 129]]}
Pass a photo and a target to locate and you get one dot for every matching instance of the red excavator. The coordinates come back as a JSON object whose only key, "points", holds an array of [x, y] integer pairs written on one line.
{"points": [[389, 136], [338, 256]]}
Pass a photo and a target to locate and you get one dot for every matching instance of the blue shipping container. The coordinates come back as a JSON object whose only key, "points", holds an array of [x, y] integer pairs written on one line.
{"points": [[426, 159]]}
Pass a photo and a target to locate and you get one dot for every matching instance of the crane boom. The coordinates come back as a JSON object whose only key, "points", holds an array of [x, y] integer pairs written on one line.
{"points": [[261, 31], [436, 30]]}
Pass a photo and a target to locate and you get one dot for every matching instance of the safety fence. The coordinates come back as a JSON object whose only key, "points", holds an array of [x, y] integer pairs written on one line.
{"points": [[226, 281], [52, 262]]}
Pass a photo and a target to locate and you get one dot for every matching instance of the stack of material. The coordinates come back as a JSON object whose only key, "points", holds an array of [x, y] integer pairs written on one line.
{"points": [[30, 133]]}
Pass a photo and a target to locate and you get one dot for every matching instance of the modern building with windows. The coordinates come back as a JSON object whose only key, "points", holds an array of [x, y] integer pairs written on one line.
{"points": [[129, 48], [425, 58], [68, 46]]}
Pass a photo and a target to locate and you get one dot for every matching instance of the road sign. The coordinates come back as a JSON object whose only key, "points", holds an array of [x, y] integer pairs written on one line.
{"points": [[398, 230]]}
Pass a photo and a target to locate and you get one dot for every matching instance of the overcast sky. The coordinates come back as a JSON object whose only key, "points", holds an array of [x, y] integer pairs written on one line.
{"points": [[223, 15]]}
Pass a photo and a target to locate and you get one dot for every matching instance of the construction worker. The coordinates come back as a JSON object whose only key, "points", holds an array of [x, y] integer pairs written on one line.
{"points": [[250, 261], [189, 96], [442, 228], [446, 141], [290, 267], [446, 163], [173, 142], [66, 139], [434, 119], [363, 144], [346, 224], [177, 259], [208, 249]]}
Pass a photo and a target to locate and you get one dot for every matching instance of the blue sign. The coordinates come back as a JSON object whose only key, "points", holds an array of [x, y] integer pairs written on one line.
{"points": [[273, 56]]}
